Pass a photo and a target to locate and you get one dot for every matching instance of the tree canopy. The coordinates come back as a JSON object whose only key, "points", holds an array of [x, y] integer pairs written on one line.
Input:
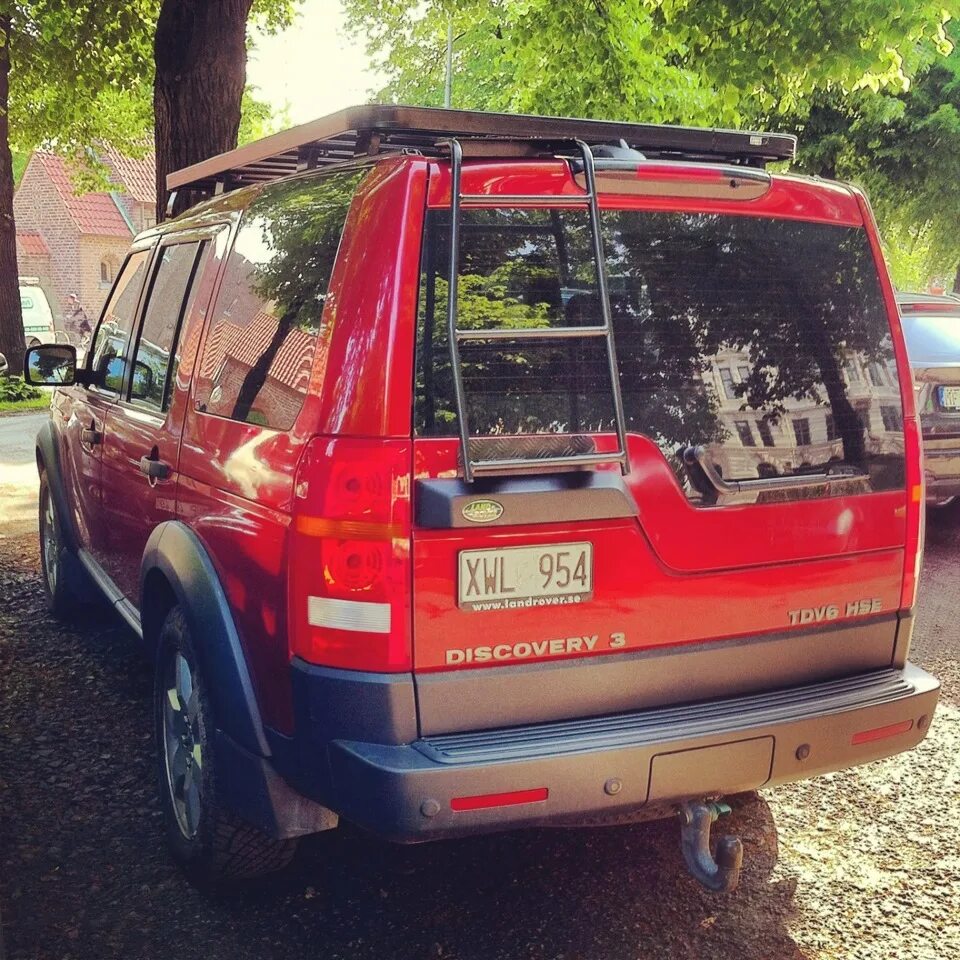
{"points": [[667, 61]]}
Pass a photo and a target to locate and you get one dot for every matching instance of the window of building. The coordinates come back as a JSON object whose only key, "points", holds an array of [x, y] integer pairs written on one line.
{"points": [[110, 340], [801, 429], [745, 433], [744, 373], [832, 433], [766, 434], [259, 351], [892, 419], [170, 296], [875, 372], [106, 272], [853, 371], [726, 378]]}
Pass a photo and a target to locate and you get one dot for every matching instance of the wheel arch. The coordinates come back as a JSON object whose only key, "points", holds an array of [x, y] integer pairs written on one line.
{"points": [[48, 462], [176, 569]]}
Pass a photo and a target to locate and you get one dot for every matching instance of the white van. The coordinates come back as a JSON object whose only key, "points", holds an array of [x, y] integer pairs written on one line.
{"points": [[37, 317]]}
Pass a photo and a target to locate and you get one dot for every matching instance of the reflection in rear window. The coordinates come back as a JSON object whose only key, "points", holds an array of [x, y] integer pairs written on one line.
{"points": [[766, 341]]}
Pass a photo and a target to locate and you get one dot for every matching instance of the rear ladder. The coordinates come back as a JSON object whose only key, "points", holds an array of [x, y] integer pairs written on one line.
{"points": [[456, 335]]}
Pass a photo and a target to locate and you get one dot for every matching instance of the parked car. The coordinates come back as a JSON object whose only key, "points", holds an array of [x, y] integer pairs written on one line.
{"points": [[38, 326], [931, 327], [4, 366], [430, 524]]}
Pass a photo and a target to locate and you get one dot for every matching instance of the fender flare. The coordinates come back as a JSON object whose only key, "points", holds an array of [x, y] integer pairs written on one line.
{"points": [[176, 552]]}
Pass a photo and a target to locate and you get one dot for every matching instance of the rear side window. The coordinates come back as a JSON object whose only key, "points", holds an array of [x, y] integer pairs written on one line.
{"points": [[732, 332], [259, 349], [171, 292], [111, 338]]}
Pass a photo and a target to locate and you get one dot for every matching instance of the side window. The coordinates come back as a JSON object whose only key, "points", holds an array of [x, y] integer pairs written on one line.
{"points": [[110, 340], [259, 349], [171, 291]]}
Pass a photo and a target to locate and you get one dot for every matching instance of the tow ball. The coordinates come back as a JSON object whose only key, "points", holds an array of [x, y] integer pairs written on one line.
{"points": [[723, 873]]}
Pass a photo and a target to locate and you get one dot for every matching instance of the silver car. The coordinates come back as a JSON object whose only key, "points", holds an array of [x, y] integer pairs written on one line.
{"points": [[931, 327]]}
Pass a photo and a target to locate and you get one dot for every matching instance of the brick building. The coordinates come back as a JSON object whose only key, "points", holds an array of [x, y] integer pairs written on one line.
{"points": [[76, 243]]}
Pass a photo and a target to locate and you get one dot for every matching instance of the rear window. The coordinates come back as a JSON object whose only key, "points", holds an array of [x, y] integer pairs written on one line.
{"points": [[766, 341], [932, 340]]}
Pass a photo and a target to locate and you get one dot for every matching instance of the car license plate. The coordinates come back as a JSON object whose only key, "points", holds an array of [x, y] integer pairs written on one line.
{"points": [[950, 398], [514, 578]]}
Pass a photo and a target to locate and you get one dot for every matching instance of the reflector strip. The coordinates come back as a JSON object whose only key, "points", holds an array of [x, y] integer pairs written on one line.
{"points": [[499, 799], [347, 529], [356, 615], [881, 733]]}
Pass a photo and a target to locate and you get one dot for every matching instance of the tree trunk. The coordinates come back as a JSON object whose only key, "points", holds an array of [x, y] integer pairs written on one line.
{"points": [[11, 320], [956, 280], [201, 68]]}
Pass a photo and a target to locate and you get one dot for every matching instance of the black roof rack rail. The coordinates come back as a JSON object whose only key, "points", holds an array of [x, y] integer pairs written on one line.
{"points": [[379, 128]]}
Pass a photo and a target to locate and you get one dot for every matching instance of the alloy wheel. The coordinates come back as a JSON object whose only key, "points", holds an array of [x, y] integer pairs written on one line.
{"points": [[51, 547], [183, 753]]}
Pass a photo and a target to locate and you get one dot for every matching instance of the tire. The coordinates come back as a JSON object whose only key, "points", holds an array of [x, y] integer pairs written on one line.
{"points": [[57, 564], [210, 842]]}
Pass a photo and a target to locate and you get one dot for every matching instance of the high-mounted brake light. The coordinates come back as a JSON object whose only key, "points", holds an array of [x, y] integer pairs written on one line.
{"points": [[350, 546]]}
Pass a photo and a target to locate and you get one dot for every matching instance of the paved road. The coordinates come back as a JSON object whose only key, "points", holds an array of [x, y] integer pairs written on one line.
{"points": [[18, 472], [868, 863]]}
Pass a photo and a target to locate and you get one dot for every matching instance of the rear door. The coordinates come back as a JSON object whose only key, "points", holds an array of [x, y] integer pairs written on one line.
{"points": [[766, 491], [142, 435]]}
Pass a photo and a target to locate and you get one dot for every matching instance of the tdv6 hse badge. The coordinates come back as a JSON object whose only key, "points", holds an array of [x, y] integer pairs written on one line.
{"points": [[831, 611]]}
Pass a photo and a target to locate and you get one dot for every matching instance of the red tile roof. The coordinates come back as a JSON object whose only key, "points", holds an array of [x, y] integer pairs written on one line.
{"points": [[138, 177], [93, 213], [246, 343], [31, 244]]}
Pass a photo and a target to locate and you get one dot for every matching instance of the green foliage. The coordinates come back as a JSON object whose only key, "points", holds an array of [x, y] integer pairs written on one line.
{"points": [[258, 118], [82, 73], [904, 148], [15, 390], [686, 61]]}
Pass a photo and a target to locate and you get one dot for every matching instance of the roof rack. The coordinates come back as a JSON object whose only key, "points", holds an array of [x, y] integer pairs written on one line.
{"points": [[382, 128]]}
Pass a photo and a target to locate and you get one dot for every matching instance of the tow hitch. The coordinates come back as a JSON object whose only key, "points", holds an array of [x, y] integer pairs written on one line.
{"points": [[723, 874]]}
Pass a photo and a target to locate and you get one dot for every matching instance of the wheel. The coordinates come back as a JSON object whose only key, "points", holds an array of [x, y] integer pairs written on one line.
{"points": [[58, 566], [210, 842]]}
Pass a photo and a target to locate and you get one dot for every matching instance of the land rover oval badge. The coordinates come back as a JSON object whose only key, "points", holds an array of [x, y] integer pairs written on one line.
{"points": [[482, 511]]}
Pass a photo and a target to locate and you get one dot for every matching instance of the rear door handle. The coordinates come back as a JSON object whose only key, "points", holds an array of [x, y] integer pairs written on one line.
{"points": [[91, 436], [154, 469]]}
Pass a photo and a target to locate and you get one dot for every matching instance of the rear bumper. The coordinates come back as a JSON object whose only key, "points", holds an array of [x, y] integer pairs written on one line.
{"points": [[617, 765]]}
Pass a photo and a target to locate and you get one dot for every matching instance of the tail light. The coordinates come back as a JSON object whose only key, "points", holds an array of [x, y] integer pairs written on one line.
{"points": [[350, 578], [915, 513]]}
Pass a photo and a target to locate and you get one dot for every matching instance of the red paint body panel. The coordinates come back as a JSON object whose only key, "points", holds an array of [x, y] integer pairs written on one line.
{"points": [[634, 594]]}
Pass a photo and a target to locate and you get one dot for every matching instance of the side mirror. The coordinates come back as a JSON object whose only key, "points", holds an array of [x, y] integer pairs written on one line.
{"points": [[50, 365], [142, 385]]}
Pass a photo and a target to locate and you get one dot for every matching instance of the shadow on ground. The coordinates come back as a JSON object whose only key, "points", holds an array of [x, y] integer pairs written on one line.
{"points": [[85, 872]]}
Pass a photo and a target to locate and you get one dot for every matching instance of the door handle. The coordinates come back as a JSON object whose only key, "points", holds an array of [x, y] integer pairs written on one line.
{"points": [[91, 436], [154, 469]]}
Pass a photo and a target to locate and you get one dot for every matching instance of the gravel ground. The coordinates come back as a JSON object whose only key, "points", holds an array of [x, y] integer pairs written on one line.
{"points": [[868, 860]]}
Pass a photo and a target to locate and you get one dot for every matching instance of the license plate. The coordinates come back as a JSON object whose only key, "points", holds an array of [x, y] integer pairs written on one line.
{"points": [[950, 398], [514, 578]]}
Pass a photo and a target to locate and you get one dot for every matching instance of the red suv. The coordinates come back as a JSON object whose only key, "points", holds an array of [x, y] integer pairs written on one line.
{"points": [[355, 428]]}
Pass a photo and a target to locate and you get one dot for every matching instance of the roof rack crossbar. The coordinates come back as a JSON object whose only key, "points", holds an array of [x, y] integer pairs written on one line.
{"points": [[360, 131]]}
